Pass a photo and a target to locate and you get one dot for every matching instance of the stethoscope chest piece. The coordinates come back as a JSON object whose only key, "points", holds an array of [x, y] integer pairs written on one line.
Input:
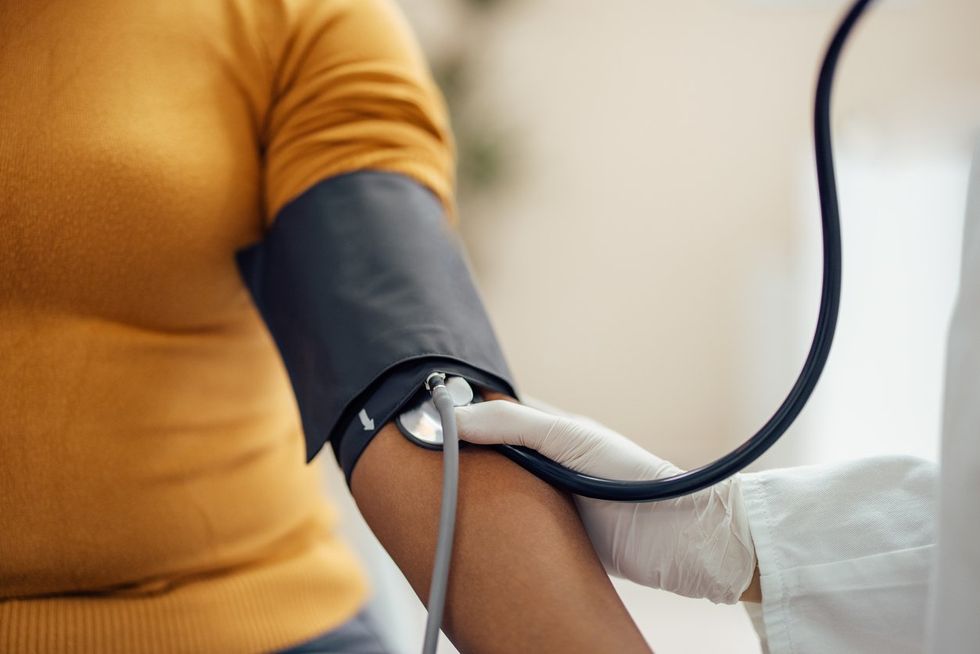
{"points": [[421, 424]]}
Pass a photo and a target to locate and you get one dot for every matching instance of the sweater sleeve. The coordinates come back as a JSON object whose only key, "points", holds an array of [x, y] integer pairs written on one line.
{"points": [[845, 553], [352, 92]]}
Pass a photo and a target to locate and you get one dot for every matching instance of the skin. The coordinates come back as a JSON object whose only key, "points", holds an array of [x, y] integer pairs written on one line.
{"points": [[524, 576], [754, 592]]}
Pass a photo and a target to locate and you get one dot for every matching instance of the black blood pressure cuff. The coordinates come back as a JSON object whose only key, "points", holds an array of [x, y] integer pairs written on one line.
{"points": [[365, 291], [395, 390]]}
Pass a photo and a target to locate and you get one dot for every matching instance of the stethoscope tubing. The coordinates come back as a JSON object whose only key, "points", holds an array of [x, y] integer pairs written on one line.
{"points": [[737, 460]]}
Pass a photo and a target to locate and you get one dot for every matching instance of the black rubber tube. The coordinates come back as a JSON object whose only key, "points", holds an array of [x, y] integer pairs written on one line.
{"points": [[737, 460]]}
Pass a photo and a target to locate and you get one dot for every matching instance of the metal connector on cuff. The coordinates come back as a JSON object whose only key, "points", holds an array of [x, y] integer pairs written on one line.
{"points": [[434, 380]]}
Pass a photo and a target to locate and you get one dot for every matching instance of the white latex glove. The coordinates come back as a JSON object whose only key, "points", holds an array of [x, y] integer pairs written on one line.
{"points": [[697, 546]]}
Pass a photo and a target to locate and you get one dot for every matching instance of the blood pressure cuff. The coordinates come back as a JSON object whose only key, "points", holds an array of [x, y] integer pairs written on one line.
{"points": [[365, 291]]}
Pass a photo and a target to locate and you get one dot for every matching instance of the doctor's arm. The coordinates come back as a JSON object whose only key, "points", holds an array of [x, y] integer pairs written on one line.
{"points": [[840, 555], [524, 576]]}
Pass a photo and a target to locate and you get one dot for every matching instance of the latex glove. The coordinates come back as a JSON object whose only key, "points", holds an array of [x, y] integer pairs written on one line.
{"points": [[697, 546]]}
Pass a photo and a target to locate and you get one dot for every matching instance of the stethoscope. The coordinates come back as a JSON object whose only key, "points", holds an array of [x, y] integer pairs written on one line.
{"points": [[422, 423], [431, 422]]}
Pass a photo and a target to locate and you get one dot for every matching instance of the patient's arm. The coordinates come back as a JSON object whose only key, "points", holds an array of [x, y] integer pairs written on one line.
{"points": [[524, 575]]}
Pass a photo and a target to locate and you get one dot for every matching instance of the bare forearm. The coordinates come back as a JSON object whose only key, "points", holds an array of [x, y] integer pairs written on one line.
{"points": [[524, 575]]}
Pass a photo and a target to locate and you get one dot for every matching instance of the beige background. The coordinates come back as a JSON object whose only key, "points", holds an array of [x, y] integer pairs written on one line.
{"points": [[655, 262]]}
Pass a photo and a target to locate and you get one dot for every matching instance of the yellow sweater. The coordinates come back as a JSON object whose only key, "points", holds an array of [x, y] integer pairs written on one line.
{"points": [[153, 492]]}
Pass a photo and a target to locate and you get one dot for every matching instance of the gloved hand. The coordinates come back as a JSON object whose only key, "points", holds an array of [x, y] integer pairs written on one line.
{"points": [[697, 545]]}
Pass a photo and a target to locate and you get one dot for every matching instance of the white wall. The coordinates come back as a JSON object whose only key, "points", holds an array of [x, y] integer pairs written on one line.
{"points": [[882, 390]]}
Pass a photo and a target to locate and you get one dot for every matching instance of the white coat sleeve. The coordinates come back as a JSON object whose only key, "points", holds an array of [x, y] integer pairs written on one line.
{"points": [[845, 553], [955, 619]]}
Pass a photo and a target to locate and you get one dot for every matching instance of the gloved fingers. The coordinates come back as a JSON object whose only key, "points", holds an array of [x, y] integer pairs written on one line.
{"points": [[580, 444], [541, 405], [503, 422]]}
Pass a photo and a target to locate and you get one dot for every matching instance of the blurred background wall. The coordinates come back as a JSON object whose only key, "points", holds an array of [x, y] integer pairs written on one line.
{"points": [[638, 200]]}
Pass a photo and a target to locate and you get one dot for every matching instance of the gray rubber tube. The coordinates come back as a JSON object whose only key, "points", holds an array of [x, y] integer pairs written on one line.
{"points": [[447, 517]]}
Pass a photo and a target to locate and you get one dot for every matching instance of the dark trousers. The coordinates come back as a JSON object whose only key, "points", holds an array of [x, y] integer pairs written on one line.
{"points": [[357, 636]]}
